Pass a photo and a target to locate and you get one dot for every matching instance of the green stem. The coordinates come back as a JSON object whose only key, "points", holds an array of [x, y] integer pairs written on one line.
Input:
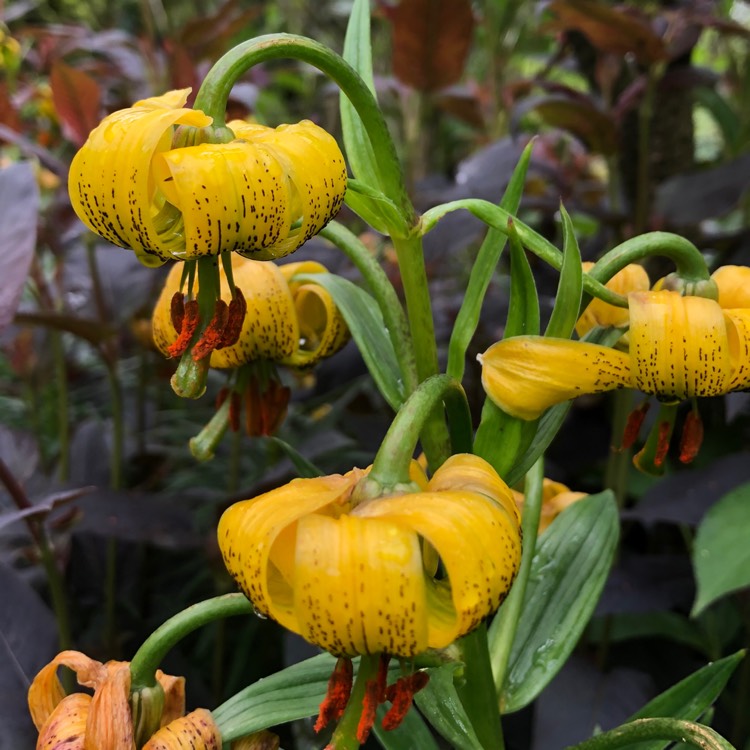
{"points": [[618, 461], [688, 259], [419, 310], [345, 735], [150, 655], [690, 263], [477, 693], [503, 629], [391, 464], [642, 730], [217, 85], [385, 295], [203, 445]]}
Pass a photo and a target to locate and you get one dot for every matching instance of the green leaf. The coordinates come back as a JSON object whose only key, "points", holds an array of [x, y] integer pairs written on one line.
{"points": [[523, 306], [375, 208], [358, 53], [690, 698], [293, 693], [411, 734], [501, 438], [721, 554], [482, 271], [569, 291], [369, 331], [549, 425], [305, 468], [568, 573], [726, 118], [440, 704]]}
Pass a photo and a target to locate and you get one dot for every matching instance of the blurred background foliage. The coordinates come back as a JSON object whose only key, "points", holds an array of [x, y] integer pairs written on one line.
{"points": [[641, 114]]}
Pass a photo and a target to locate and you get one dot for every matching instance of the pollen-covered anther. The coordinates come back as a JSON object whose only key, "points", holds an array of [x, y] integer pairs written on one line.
{"points": [[633, 425], [692, 437], [401, 695], [375, 694], [212, 336], [337, 693], [662, 442], [235, 320], [177, 310], [188, 326]]}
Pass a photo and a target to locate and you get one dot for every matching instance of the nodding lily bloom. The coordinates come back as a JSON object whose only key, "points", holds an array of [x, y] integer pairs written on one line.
{"points": [[680, 347], [632, 278], [103, 721], [294, 325], [263, 194], [395, 575], [556, 497]]}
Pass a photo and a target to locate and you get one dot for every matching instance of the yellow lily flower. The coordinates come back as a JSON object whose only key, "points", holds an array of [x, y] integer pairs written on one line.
{"points": [[556, 497], [263, 194], [294, 325], [103, 722], [632, 278], [680, 347], [350, 576]]}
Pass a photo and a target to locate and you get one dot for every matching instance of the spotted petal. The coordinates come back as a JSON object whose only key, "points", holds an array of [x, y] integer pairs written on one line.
{"points": [[111, 184], [678, 345], [196, 731], [524, 375]]}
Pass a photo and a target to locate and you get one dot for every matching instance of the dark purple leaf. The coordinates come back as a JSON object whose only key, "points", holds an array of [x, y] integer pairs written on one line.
{"points": [[19, 203], [685, 497], [43, 507], [28, 640], [647, 583], [688, 199]]}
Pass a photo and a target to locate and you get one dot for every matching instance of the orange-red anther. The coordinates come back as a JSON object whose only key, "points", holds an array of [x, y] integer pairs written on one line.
{"points": [[337, 694], [633, 425], [374, 696], [212, 336], [401, 695], [662, 442], [177, 311], [235, 319], [190, 320], [692, 437]]}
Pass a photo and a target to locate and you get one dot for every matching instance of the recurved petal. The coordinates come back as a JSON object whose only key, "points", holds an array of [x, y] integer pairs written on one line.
{"points": [[678, 345], [734, 286], [524, 375], [65, 727], [270, 329], [196, 731], [467, 472], [111, 184], [46, 691], [738, 334], [174, 696], [232, 196], [359, 586], [479, 545], [322, 328], [258, 539], [110, 723], [312, 159], [632, 278]]}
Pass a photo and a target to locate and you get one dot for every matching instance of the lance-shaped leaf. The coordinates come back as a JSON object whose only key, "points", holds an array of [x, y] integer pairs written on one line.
{"points": [[368, 330], [569, 290], [568, 573]]}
